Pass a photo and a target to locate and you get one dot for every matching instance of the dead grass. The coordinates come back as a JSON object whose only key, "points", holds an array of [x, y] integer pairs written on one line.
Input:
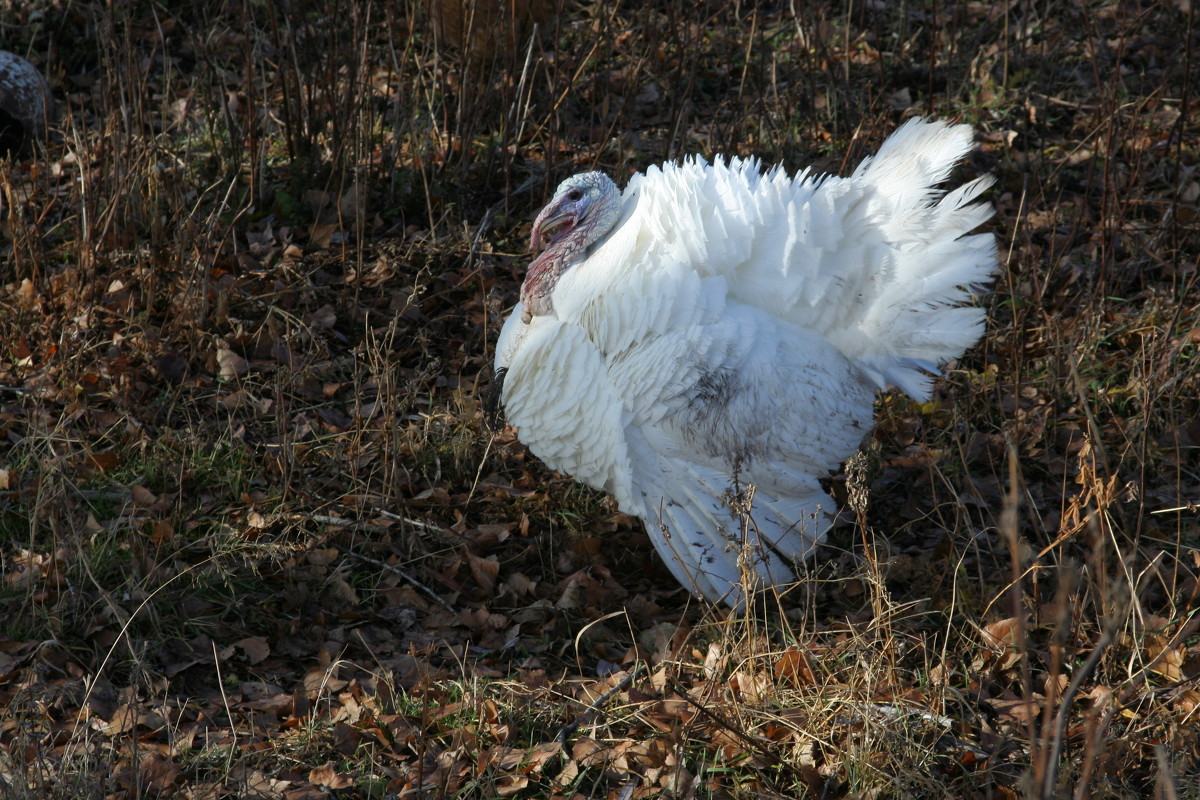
{"points": [[257, 543]]}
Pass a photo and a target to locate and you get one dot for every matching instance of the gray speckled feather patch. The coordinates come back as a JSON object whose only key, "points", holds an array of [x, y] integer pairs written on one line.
{"points": [[26, 103]]}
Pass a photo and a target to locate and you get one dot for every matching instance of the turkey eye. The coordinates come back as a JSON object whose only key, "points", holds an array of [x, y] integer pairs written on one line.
{"points": [[574, 195]]}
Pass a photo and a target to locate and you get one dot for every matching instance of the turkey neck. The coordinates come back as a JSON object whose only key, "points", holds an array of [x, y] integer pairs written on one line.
{"points": [[544, 273]]}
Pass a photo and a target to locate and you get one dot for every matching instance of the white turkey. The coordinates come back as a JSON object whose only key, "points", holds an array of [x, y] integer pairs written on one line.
{"points": [[716, 328]]}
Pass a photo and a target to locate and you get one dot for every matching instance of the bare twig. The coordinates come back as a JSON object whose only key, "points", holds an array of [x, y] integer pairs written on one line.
{"points": [[588, 713], [407, 576], [1050, 779]]}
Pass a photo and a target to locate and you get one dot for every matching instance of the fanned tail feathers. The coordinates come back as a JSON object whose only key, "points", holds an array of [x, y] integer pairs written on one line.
{"points": [[916, 319], [880, 263]]}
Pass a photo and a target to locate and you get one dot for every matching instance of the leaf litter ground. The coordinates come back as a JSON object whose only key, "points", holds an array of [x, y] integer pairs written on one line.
{"points": [[257, 542]]}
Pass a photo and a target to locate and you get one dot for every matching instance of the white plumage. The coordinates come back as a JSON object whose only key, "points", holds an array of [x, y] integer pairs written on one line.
{"points": [[716, 328]]}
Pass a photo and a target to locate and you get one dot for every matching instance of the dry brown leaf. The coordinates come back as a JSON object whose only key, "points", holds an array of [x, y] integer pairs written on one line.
{"points": [[162, 531], [489, 712], [484, 571], [1170, 664], [106, 461], [321, 236], [124, 719], [538, 756], [255, 648], [754, 687], [1188, 701], [662, 641], [520, 585], [509, 785], [156, 774], [1002, 633], [587, 751], [714, 661], [326, 775], [1017, 709], [143, 496], [231, 365], [678, 781], [504, 758], [491, 535], [567, 775], [26, 293], [322, 556], [342, 590], [650, 753], [795, 667]]}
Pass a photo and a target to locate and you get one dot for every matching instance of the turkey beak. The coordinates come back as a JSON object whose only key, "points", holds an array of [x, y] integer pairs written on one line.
{"points": [[551, 225]]}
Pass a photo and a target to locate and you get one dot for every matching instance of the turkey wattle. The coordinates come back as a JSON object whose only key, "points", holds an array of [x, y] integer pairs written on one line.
{"points": [[716, 328]]}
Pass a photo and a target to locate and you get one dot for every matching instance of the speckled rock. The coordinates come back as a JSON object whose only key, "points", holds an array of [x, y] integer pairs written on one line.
{"points": [[26, 103]]}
